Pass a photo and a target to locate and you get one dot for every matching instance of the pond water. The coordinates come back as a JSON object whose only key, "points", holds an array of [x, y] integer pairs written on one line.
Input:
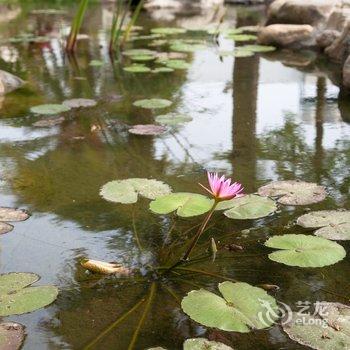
{"points": [[257, 119]]}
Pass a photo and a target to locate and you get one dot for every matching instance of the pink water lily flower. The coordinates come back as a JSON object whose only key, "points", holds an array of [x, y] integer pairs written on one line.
{"points": [[222, 189]]}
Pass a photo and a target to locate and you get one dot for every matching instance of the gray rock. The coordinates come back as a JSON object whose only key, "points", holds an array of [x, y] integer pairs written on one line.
{"points": [[9, 82], [326, 38], [313, 12], [287, 35], [346, 73], [339, 50]]}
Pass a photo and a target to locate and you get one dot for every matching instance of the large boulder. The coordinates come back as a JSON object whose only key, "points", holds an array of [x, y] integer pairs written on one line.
{"points": [[293, 36], [326, 38], [9, 82], [339, 50], [313, 12], [346, 74]]}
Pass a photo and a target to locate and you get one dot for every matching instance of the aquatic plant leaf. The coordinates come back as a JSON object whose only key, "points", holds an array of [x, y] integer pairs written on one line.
{"points": [[294, 192], [173, 119], [145, 37], [50, 109], [163, 70], [204, 344], [258, 48], [12, 214], [11, 335], [96, 63], [332, 224], [17, 297], [143, 58], [165, 56], [159, 42], [138, 52], [305, 251], [153, 103], [239, 310], [168, 30], [185, 204], [147, 129], [79, 102], [137, 68], [329, 331], [127, 191], [248, 207], [242, 37], [47, 122], [105, 268], [5, 228], [186, 47], [177, 64], [237, 53]]}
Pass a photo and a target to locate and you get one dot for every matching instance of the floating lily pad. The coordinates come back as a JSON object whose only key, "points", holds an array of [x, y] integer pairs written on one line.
{"points": [[159, 42], [248, 207], [138, 52], [165, 56], [17, 297], [11, 335], [329, 331], [241, 309], [237, 53], [332, 224], [168, 30], [153, 103], [177, 64], [47, 122], [204, 344], [127, 191], [258, 48], [143, 58], [163, 70], [5, 228], [242, 37], [294, 192], [96, 63], [137, 68], [185, 204], [147, 129], [105, 268], [50, 109], [12, 214], [173, 119], [146, 37], [79, 102], [186, 47], [305, 251]]}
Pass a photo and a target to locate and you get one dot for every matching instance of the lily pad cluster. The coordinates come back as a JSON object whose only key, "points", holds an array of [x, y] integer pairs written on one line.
{"points": [[153, 103], [11, 215]]}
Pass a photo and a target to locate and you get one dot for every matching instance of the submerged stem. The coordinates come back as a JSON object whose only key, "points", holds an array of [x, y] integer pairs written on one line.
{"points": [[136, 235]]}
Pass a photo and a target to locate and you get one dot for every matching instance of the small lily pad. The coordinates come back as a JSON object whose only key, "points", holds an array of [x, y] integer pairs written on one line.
{"points": [[177, 64], [17, 297], [11, 335], [159, 42], [248, 207], [142, 58], [137, 68], [163, 70], [153, 103], [305, 251], [204, 344], [138, 52], [12, 214], [243, 53], [168, 30], [79, 102], [127, 191], [105, 268], [241, 308], [242, 37], [173, 119], [185, 204], [294, 192], [96, 63], [147, 129], [50, 109], [186, 47], [258, 48], [331, 224], [5, 228]]}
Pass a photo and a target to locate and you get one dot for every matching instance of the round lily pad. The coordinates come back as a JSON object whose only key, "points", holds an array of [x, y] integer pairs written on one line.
{"points": [[96, 63], [241, 309], [243, 53], [147, 129], [163, 70], [242, 37], [127, 191], [159, 42], [12, 214], [332, 224], [204, 344], [79, 102], [50, 109], [258, 48], [173, 119], [5, 228], [185, 204], [294, 192], [177, 64], [137, 68], [138, 52], [17, 297], [186, 47], [143, 58], [153, 103], [11, 335], [305, 251], [168, 30], [248, 207]]}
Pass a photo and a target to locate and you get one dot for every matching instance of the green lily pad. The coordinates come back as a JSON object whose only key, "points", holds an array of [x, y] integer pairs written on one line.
{"points": [[248, 207], [159, 42], [139, 52], [79, 102], [168, 30], [237, 53], [127, 191], [241, 309], [332, 224], [185, 204], [173, 119], [145, 37], [177, 64], [50, 109], [137, 68], [5, 228], [242, 37], [147, 129], [18, 298], [163, 70], [96, 63], [186, 47], [153, 103], [305, 251], [11, 335], [294, 192], [204, 344], [143, 58], [12, 214], [258, 48]]}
